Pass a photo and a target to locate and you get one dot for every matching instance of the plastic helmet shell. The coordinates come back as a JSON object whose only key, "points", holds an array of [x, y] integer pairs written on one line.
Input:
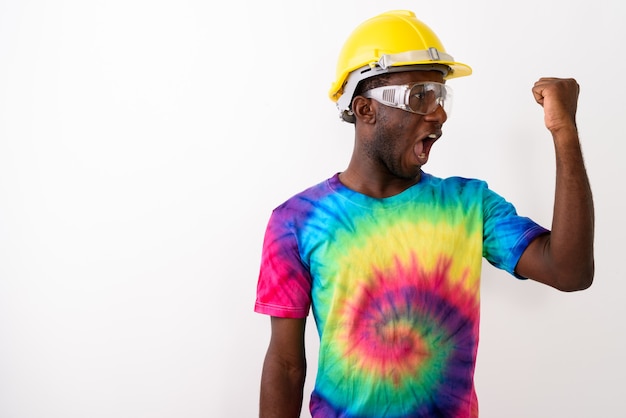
{"points": [[393, 33]]}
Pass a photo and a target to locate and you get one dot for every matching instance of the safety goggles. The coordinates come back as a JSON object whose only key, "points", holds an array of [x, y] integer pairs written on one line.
{"points": [[420, 98]]}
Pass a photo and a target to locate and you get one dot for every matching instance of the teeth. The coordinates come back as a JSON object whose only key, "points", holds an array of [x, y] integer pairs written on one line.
{"points": [[432, 136]]}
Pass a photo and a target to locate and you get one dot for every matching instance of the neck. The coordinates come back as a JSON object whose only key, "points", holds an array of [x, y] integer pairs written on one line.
{"points": [[375, 185]]}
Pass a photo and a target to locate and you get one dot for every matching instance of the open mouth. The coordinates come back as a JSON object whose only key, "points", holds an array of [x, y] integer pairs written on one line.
{"points": [[422, 147]]}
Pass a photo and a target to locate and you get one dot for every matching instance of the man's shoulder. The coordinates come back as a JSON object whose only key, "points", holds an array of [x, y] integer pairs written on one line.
{"points": [[311, 194], [453, 181]]}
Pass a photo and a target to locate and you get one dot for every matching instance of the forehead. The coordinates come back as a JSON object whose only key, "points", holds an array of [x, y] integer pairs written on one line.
{"points": [[407, 77]]}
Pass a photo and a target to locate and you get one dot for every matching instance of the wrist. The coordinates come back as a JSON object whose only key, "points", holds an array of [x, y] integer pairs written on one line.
{"points": [[564, 131]]}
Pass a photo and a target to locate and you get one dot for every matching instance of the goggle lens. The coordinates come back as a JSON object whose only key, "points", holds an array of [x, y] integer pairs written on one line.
{"points": [[425, 98]]}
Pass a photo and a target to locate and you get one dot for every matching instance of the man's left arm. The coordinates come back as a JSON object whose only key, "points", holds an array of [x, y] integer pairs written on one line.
{"points": [[563, 258]]}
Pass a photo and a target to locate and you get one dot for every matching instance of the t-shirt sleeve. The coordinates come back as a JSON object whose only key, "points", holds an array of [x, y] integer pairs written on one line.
{"points": [[284, 284], [506, 234]]}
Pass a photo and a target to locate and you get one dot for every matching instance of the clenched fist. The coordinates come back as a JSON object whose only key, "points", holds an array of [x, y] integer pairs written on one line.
{"points": [[559, 98]]}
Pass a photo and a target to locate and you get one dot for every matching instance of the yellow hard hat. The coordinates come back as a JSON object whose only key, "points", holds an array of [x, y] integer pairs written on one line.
{"points": [[392, 41]]}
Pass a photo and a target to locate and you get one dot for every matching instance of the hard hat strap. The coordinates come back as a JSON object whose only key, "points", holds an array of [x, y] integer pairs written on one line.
{"points": [[430, 54]]}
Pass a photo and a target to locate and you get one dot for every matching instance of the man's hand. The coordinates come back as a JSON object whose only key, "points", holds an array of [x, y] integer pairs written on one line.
{"points": [[559, 98]]}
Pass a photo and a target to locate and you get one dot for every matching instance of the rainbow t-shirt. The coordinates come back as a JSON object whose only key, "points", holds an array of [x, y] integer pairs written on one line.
{"points": [[393, 284]]}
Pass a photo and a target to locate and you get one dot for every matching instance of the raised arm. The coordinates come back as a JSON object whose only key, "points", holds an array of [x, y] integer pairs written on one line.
{"points": [[284, 370], [564, 258]]}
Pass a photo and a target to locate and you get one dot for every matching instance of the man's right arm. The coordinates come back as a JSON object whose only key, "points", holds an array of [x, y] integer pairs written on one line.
{"points": [[284, 370]]}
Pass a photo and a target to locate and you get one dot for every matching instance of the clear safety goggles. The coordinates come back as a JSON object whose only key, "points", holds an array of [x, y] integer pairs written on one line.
{"points": [[420, 98]]}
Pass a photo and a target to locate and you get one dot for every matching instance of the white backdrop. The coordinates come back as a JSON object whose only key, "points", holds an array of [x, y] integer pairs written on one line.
{"points": [[143, 145]]}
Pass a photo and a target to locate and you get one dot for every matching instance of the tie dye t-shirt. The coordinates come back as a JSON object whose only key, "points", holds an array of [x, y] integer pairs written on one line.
{"points": [[393, 285]]}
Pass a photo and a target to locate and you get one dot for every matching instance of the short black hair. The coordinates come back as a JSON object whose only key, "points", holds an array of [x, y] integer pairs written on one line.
{"points": [[371, 83]]}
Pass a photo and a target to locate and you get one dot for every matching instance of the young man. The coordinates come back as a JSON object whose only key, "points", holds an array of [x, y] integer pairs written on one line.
{"points": [[388, 257]]}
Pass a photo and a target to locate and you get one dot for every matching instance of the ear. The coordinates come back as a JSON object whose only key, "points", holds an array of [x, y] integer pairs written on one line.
{"points": [[364, 109]]}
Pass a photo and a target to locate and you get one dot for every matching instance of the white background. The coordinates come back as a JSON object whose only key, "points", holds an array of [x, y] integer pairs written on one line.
{"points": [[143, 145]]}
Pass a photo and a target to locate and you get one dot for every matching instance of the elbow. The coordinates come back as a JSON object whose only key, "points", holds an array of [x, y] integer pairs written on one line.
{"points": [[580, 280], [577, 286]]}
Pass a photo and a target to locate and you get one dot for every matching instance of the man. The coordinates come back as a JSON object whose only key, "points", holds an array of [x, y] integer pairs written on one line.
{"points": [[389, 257]]}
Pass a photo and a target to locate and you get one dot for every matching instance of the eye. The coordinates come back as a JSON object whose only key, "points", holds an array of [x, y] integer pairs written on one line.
{"points": [[417, 100]]}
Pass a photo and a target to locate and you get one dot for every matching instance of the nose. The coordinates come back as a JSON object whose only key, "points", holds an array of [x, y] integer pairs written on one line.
{"points": [[439, 115]]}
